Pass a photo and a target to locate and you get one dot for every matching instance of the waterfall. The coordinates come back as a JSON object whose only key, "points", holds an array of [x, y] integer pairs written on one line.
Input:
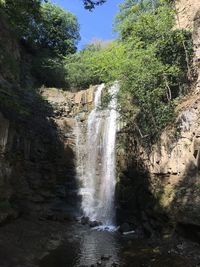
{"points": [[96, 160]]}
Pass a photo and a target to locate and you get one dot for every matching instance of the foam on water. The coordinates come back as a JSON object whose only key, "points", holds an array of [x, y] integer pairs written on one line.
{"points": [[109, 228]]}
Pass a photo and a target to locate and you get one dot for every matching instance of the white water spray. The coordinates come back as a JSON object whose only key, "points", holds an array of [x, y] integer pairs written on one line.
{"points": [[97, 163]]}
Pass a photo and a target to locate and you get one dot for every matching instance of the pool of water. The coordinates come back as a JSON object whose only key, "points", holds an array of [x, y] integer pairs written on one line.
{"points": [[83, 246]]}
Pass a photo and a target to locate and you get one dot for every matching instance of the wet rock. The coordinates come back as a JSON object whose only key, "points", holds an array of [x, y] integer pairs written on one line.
{"points": [[105, 257], [114, 264], [81, 116], [60, 216], [147, 229], [125, 227], [85, 220], [139, 232], [94, 224]]}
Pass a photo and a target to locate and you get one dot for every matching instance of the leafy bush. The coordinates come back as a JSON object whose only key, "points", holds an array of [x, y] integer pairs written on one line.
{"points": [[57, 31], [157, 65], [79, 71], [47, 32], [43, 25], [95, 64]]}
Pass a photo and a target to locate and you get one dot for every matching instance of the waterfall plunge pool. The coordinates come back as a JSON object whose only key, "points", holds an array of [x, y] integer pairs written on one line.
{"points": [[86, 247], [29, 243], [103, 245], [83, 246]]}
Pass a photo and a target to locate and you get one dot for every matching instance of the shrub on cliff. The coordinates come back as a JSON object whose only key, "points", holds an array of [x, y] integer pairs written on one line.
{"points": [[98, 62], [157, 66], [47, 32]]}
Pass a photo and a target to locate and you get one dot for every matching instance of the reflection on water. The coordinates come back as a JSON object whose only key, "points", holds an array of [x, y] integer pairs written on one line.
{"points": [[95, 244], [85, 247]]}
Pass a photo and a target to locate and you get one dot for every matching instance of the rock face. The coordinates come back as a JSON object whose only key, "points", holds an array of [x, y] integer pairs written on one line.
{"points": [[37, 142], [174, 166], [165, 181], [163, 185], [186, 12], [37, 150], [10, 53], [174, 162]]}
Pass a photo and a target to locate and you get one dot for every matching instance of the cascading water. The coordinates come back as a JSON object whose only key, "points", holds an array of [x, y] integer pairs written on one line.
{"points": [[96, 160]]}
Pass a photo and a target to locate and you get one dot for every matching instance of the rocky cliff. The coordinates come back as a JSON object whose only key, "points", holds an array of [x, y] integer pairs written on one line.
{"points": [[186, 11], [174, 161], [164, 183], [37, 149], [37, 142]]}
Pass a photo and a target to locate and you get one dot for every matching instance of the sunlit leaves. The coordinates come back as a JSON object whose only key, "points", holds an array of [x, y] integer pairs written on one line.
{"points": [[58, 30], [157, 60]]}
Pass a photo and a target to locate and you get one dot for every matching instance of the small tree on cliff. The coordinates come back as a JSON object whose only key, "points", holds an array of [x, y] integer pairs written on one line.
{"points": [[57, 31]]}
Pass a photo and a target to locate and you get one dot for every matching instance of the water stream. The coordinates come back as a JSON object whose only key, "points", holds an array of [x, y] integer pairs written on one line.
{"points": [[96, 160]]}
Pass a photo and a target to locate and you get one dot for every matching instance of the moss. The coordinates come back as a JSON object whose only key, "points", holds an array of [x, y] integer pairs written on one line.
{"points": [[165, 196]]}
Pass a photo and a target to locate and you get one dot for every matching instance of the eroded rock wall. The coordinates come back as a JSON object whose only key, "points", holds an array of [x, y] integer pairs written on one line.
{"points": [[37, 141], [164, 183], [174, 166], [186, 12], [174, 161], [37, 151], [35, 162]]}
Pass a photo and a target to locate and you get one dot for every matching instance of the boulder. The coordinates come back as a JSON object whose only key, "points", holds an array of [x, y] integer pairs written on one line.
{"points": [[85, 220], [125, 227]]}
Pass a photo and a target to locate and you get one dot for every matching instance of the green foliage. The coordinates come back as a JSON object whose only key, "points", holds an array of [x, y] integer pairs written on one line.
{"points": [[157, 64], [94, 64], [144, 21], [48, 32], [107, 62], [151, 60], [44, 26], [55, 36], [22, 15], [57, 31], [79, 71]]}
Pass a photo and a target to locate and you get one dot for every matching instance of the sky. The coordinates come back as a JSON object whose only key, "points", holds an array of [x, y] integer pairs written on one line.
{"points": [[97, 24]]}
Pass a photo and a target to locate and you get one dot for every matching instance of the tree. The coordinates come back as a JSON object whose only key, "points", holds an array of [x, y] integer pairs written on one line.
{"points": [[22, 15], [58, 30], [98, 62], [45, 26]]}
